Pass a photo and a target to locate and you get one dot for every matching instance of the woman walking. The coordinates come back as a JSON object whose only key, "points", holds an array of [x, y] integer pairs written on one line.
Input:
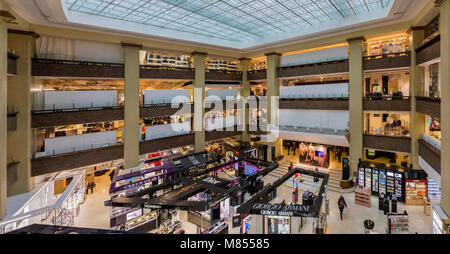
{"points": [[342, 205]]}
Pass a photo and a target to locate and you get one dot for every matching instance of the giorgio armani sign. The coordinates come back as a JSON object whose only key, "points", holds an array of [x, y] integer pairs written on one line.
{"points": [[281, 210]]}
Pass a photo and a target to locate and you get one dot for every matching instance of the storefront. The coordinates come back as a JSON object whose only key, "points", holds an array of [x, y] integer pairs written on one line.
{"points": [[315, 155], [386, 124]]}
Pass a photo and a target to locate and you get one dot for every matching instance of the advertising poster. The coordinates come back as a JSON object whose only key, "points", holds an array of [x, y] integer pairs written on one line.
{"points": [[278, 225], [314, 155], [225, 209], [245, 223]]}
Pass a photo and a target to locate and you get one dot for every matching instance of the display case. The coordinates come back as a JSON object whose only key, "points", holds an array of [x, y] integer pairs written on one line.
{"points": [[390, 183], [382, 185], [375, 181], [398, 224], [368, 184], [415, 191], [434, 190], [136, 219], [361, 177], [363, 197], [398, 186]]}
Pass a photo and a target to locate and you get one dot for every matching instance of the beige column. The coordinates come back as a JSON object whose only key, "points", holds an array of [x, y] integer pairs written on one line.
{"points": [[273, 90], [199, 99], [19, 97], [417, 122], [3, 112], [131, 111], [244, 92], [356, 77], [445, 105]]}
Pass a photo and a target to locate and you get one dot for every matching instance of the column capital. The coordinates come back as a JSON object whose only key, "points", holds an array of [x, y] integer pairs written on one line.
{"points": [[198, 53], [361, 38], [245, 59], [131, 45], [7, 16], [272, 53], [21, 32], [438, 3], [415, 28]]}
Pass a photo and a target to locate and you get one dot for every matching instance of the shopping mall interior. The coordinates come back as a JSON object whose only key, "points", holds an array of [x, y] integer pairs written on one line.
{"points": [[225, 117]]}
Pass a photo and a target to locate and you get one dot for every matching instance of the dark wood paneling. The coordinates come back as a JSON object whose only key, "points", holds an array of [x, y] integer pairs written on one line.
{"points": [[315, 104], [167, 73], [223, 75], [257, 75], [43, 69], [387, 63], [429, 51], [313, 69], [429, 106], [12, 64], [387, 143], [12, 123], [431, 155], [50, 119], [387, 105], [213, 135], [155, 111], [51, 164], [151, 146], [42, 120]]}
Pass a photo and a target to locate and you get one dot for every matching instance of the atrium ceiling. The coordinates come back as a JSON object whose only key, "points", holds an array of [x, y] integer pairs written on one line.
{"points": [[243, 25]]}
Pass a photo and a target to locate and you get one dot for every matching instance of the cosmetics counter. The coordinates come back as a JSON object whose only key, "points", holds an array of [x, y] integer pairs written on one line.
{"points": [[382, 180], [220, 228]]}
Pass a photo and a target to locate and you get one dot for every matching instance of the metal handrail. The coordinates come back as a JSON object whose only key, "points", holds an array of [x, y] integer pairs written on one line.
{"points": [[257, 71], [405, 53], [75, 62], [431, 99], [224, 71], [385, 98], [156, 67], [313, 64]]}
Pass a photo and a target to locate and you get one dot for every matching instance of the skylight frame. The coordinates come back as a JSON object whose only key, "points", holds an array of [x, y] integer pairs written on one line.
{"points": [[238, 21]]}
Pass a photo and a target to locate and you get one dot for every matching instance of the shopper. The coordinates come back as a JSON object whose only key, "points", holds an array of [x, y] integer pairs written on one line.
{"points": [[291, 167], [316, 178], [288, 147], [342, 205], [90, 186]]}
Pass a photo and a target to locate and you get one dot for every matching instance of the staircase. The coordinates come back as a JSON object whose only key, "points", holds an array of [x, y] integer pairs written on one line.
{"points": [[334, 179]]}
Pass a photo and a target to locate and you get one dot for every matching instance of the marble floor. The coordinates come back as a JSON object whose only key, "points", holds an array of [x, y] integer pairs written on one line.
{"points": [[93, 213]]}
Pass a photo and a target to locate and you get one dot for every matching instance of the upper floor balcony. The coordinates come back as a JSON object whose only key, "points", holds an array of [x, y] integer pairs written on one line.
{"points": [[90, 69], [429, 106], [380, 102], [387, 143]]}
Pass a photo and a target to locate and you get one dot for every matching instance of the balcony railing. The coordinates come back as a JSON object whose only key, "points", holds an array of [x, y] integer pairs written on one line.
{"points": [[319, 96], [73, 149], [224, 71], [383, 97], [429, 99], [406, 53], [313, 64], [170, 68], [319, 130], [74, 109], [74, 62]]}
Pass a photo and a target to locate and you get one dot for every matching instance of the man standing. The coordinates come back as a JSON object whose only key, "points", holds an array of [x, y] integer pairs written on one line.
{"points": [[342, 205]]}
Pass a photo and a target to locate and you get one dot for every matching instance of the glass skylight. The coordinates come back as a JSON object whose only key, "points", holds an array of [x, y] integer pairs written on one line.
{"points": [[232, 20]]}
